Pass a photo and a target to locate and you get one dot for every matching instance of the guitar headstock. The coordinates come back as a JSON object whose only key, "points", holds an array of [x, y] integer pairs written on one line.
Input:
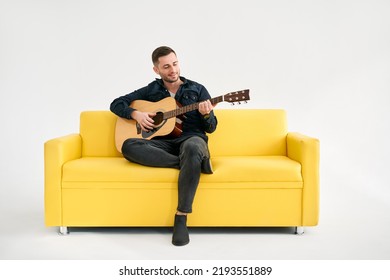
{"points": [[237, 96]]}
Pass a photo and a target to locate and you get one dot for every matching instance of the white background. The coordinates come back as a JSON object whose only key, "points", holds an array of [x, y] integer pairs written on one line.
{"points": [[327, 63]]}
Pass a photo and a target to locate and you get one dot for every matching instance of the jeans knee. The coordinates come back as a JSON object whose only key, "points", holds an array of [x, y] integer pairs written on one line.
{"points": [[131, 148], [194, 147], [127, 146]]}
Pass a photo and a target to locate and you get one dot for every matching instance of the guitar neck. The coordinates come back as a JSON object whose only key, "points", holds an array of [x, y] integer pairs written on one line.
{"points": [[189, 108]]}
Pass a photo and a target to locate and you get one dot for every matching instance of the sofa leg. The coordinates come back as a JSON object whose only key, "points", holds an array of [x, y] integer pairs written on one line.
{"points": [[64, 231], [299, 230]]}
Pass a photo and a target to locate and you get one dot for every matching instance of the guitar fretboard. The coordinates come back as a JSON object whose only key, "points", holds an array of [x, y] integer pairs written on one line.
{"points": [[182, 110]]}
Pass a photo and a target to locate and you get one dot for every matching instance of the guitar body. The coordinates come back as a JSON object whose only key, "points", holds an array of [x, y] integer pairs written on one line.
{"points": [[126, 129]]}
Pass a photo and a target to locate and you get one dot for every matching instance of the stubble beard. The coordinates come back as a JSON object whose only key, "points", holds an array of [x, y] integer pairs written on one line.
{"points": [[171, 81]]}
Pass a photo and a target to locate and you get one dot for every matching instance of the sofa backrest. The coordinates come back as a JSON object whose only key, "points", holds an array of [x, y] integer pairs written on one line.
{"points": [[239, 132], [97, 130], [249, 132]]}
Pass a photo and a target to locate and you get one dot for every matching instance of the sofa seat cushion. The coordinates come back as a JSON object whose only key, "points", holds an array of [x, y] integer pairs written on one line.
{"points": [[255, 169], [278, 170], [114, 169]]}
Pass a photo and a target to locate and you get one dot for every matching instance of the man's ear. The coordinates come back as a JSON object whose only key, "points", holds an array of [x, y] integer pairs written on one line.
{"points": [[155, 69]]}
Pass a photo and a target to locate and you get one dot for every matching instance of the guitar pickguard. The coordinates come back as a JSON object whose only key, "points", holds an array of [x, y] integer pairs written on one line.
{"points": [[147, 134]]}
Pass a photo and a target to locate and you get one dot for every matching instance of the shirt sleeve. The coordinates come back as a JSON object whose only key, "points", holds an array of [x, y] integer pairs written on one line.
{"points": [[209, 121], [120, 105]]}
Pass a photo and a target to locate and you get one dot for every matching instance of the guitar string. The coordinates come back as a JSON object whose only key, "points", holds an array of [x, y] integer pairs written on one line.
{"points": [[188, 108]]}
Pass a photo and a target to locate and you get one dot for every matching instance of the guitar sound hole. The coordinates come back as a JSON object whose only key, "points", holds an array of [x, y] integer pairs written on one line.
{"points": [[158, 118]]}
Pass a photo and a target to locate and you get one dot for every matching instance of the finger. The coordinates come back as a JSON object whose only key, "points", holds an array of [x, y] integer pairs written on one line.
{"points": [[207, 106], [147, 128], [148, 123], [148, 118], [210, 106], [145, 123], [201, 107]]}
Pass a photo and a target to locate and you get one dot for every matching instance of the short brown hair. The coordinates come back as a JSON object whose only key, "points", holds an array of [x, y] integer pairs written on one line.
{"points": [[161, 51]]}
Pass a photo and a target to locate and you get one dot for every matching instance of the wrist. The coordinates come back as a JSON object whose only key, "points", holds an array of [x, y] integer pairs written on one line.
{"points": [[134, 114]]}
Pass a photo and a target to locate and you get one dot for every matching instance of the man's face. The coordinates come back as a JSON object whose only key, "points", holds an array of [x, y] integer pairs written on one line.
{"points": [[168, 68]]}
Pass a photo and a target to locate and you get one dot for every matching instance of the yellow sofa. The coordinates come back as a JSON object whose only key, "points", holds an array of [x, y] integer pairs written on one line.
{"points": [[264, 176]]}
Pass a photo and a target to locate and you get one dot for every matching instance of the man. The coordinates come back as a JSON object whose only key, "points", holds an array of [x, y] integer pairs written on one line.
{"points": [[189, 152]]}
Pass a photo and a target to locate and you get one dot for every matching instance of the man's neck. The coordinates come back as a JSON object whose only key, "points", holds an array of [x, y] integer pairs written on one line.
{"points": [[173, 87]]}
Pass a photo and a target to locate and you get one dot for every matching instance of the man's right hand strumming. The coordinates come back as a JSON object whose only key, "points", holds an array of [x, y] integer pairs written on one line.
{"points": [[144, 119]]}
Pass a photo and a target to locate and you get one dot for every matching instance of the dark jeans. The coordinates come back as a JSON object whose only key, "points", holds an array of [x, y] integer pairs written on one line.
{"points": [[185, 154]]}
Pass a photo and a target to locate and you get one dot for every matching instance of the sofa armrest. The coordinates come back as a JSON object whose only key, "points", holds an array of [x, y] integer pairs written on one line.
{"points": [[56, 152], [306, 150]]}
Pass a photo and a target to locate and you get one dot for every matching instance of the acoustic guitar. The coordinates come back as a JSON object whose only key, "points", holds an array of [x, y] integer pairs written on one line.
{"points": [[168, 118]]}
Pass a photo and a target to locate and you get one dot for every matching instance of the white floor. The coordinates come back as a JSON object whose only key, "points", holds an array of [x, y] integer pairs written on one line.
{"points": [[352, 226]]}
